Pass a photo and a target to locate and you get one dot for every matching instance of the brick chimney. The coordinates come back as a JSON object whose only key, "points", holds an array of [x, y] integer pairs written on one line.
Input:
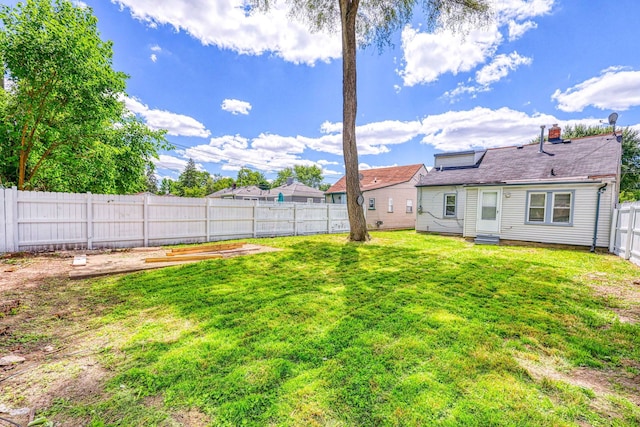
{"points": [[554, 133]]}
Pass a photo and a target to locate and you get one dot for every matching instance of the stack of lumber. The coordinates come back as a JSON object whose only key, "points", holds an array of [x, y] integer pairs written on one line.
{"points": [[197, 253]]}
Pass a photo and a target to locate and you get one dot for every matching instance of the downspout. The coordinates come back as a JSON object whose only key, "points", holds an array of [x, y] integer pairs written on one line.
{"points": [[595, 228]]}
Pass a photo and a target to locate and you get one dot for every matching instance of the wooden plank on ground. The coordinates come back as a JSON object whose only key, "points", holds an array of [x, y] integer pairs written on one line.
{"points": [[205, 248], [184, 258]]}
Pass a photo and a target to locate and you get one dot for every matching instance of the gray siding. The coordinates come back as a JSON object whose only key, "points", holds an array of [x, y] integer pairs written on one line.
{"points": [[432, 218], [466, 159], [513, 225], [471, 213]]}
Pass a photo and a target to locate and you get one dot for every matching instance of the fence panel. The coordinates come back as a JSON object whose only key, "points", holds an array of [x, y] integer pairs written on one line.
{"points": [[176, 220], [31, 221], [231, 219], [276, 219], [338, 219], [51, 220], [626, 236], [3, 222]]}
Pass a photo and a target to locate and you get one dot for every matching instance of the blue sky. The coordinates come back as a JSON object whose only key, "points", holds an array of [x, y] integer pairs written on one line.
{"points": [[260, 91]]}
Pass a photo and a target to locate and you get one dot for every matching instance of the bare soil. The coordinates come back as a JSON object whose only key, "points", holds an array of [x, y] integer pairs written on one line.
{"points": [[59, 350]]}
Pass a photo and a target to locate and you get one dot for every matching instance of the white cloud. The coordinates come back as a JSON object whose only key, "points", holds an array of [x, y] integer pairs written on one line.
{"points": [[365, 166], [500, 68], [327, 162], [507, 10], [235, 106], [428, 55], [156, 48], [517, 30], [175, 124], [227, 25], [484, 128], [153, 57], [616, 88], [450, 131], [170, 162]]}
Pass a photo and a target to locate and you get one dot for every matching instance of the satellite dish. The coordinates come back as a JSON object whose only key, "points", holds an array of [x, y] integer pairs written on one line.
{"points": [[613, 118], [360, 176]]}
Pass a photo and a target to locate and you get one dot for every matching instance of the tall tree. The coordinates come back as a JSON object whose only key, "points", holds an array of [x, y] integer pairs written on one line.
{"points": [[248, 177], [63, 110], [363, 22], [283, 176], [308, 175], [630, 168], [152, 180], [192, 182], [221, 182]]}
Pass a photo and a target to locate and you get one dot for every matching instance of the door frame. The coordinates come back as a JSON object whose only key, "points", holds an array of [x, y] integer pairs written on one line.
{"points": [[481, 227]]}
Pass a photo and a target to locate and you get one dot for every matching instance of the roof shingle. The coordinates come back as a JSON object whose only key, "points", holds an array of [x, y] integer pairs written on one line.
{"points": [[584, 158], [378, 178]]}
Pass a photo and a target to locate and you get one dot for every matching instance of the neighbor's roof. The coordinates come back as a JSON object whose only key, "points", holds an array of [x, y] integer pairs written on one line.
{"points": [[379, 178], [584, 158], [248, 191], [297, 189]]}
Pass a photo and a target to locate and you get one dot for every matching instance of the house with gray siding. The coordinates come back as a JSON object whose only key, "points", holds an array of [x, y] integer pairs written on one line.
{"points": [[563, 192]]}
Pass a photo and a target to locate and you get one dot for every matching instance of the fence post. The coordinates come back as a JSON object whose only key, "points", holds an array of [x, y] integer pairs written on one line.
{"points": [[11, 211], [631, 225], [255, 219], [89, 220], [3, 222], [145, 219], [295, 219], [614, 229], [207, 216], [328, 218]]}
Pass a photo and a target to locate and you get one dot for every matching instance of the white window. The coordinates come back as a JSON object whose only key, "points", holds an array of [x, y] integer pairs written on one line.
{"points": [[309, 199], [550, 207], [372, 204], [450, 205], [561, 208], [409, 206], [390, 208], [537, 207]]}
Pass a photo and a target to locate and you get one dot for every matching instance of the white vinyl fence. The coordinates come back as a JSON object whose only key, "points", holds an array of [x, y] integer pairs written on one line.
{"points": [[33, 221], [625, 233]]}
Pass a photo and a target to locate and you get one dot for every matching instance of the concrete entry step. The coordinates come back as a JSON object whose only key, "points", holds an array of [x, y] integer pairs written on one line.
{"points": [[486, 239]]}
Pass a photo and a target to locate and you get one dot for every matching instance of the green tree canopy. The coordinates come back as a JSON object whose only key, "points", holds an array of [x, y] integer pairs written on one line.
{"points": [[63, 125], [192, 182], [308, 175], [248, 177], [363, 22]]}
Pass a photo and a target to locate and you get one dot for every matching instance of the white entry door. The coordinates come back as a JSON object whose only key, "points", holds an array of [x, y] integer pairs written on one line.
{"points": [[489, 211]]}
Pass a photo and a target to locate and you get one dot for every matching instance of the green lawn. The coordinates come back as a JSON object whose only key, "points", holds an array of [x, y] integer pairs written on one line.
{"points": [[408, 330]]}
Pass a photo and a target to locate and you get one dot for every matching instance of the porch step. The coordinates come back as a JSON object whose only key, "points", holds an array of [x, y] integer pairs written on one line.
{"points": [[486, 239]]}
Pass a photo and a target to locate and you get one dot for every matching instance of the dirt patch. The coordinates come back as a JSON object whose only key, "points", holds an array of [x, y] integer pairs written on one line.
{"points": [[52, 337], [623, 298], [603, 383]]}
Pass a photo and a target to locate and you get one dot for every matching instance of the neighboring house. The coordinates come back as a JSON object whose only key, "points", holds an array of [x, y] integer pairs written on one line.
{"points": [[556, 192], [250, 192], [294, 191], [290, 192], [389, 195]]}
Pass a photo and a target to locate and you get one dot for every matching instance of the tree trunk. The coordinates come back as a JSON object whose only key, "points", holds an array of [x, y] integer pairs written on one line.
{"points": [[357, 222]]}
